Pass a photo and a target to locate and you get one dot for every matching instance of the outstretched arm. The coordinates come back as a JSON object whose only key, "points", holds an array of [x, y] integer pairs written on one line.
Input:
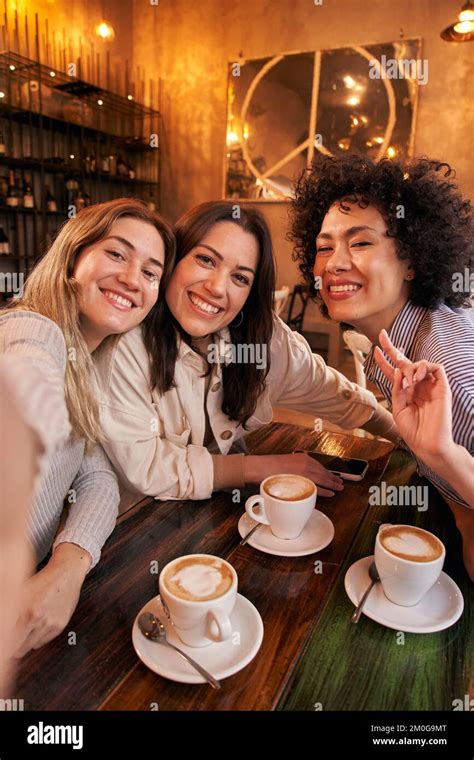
{"points": [[52, 594]]}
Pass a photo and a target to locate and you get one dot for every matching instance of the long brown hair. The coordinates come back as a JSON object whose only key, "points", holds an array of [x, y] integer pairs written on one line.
{"points": [[242, 383], [52, 291]]}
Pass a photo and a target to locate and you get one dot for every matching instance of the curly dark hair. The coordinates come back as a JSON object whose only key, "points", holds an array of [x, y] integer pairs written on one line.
{"points": [[435, 234]]}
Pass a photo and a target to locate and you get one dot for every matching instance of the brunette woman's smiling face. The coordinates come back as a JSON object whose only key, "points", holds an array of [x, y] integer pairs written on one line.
{"points": [[364, 282], [211, 284]]}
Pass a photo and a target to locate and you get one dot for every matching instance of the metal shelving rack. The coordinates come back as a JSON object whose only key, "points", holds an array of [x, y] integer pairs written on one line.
{"points": [[51, 123]]}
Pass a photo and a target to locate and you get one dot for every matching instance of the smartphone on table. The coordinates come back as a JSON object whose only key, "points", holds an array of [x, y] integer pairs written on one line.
{"points": [[347, 469]]}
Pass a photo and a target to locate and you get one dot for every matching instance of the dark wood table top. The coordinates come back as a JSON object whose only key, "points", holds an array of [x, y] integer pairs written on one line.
{"points": [[310, 652]]}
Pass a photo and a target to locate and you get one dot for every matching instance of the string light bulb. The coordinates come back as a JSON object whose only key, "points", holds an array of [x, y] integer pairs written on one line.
{"points": [[105, 31]]}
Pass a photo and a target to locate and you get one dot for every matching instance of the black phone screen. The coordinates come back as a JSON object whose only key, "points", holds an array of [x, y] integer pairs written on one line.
{"points": [[348, 466]]}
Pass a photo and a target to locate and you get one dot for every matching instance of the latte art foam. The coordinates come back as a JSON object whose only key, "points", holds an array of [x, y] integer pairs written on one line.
{"points": [[198, 579], [289, 487], [411, 543]]}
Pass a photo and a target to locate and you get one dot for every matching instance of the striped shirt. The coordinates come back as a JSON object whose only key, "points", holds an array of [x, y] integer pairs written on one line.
{"points": [[445, 337]]}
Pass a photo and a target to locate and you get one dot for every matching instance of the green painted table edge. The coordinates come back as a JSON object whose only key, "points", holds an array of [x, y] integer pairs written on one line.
{"points": [[369, 667]]}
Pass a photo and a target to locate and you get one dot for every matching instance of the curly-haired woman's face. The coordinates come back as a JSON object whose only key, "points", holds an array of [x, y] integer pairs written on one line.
{"points": [[363, 280]]}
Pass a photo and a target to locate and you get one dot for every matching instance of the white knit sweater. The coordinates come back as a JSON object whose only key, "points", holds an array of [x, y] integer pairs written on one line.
{"points": [[33, 362]]}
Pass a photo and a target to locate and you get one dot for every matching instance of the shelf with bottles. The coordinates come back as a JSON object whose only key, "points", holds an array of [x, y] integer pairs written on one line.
{"points": [[60, 166], [136, 143], [52, 154], [60, 149], [34, 93]]}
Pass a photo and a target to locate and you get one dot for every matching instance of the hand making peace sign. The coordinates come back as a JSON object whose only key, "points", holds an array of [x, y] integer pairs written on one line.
{"points": [[421, 400]]}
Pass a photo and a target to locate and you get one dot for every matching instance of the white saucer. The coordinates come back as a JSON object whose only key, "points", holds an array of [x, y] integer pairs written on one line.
{"points": [[221, 659], [439, 608], [317, 534]]}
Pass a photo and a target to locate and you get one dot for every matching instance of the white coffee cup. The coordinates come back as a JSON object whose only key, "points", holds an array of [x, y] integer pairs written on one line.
{"points": [[405, 580], [198, 593], [285, 503]]}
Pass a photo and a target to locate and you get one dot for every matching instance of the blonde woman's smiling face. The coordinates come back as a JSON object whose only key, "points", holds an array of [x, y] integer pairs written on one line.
{"points": [[211, 284], [119, 279], [364, 282]]}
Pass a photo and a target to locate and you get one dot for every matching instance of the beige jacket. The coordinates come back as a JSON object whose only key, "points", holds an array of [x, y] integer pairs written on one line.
{"points": [[156, 442]]}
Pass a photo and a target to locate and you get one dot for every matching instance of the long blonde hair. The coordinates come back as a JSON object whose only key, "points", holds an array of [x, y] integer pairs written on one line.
{"points": [[52, 291]]}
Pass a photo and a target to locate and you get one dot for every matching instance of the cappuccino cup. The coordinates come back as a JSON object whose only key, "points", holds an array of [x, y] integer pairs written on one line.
{"points": [[285, 503], [409, 561], [198, 593]]}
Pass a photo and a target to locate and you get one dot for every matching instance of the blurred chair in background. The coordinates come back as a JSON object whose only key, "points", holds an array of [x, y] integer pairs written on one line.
{"points": [[280, 297]]}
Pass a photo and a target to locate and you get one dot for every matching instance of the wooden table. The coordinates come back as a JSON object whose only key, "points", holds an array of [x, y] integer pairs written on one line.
{"points": [[311, 654]]}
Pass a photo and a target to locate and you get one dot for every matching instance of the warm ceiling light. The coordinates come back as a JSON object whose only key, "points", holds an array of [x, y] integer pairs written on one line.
{"points": [[100, 102], [349, 81], [462, 30], [466, 22], [12, 67], [105, 31], [52, 73], [353, 101], [232, 137], [391, 151], [130, 97], [2, 94]]}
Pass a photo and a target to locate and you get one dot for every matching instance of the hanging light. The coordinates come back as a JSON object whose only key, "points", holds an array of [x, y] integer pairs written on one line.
{"points": [[463, 29], [105, 31], [232, 137]]}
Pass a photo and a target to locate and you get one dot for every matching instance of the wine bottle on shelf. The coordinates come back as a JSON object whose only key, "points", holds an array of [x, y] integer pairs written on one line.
{"points": [[12, 194], [105, 165], [93, 164], [122, 168], [51, 204], [112, 164], [79, 200], [3, 190], [4, 243], [72, 186], [131, 172], [28, 196], [151, 202], [3, 149]]}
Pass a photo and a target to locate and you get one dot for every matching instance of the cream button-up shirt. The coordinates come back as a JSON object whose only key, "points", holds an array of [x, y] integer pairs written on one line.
{"points": [[156, 441]]}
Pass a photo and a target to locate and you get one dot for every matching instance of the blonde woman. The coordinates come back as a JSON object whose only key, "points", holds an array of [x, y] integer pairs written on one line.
{"points": [[100, 278]]}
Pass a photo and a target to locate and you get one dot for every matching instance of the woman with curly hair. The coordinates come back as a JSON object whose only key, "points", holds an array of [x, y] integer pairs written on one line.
{"points": [[387, 248]]}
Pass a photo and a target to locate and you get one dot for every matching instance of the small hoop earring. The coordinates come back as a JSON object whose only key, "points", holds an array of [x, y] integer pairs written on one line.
{"points": [[409, 277], [241, 320]]}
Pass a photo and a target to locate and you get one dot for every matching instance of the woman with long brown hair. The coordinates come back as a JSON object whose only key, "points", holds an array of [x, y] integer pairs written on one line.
{"points": [[177, 398], [99, 278]]}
